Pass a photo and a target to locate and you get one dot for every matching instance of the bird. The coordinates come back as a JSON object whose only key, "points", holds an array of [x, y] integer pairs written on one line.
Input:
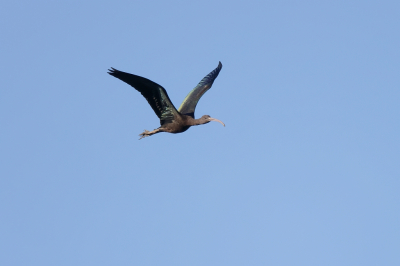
{"points": [[171, 119]]}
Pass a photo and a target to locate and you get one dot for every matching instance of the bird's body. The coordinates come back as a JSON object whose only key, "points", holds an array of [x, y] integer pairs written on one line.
{"points": [[171, 120], [181, 124]]}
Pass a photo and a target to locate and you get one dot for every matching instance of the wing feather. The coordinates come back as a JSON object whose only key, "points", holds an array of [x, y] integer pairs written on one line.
{"points": [[189, 103], [154, 93]]}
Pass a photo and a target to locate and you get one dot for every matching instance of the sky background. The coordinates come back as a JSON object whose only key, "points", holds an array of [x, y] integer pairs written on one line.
{"points": [[306, 171]]}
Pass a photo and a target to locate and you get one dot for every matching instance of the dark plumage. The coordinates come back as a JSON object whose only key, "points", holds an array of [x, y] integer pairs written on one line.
{"points": [[171, 120]]}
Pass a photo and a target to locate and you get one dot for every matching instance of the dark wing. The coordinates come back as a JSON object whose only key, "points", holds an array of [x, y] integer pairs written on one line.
{"points": [[189, 103], [154, 94]]}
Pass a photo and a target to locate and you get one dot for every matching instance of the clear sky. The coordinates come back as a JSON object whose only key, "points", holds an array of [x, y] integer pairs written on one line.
{"points": [[306, 171]]}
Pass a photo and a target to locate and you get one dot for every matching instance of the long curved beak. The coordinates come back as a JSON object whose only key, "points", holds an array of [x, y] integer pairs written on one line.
{"points": [[216, 120]]}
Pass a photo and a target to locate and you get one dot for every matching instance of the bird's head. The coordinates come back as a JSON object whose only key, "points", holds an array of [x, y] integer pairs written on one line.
{"points": [[207, 119]]}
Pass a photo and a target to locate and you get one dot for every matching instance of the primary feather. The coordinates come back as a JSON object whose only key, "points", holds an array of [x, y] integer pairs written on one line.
{"points": [[189, 103], [154, 93]]}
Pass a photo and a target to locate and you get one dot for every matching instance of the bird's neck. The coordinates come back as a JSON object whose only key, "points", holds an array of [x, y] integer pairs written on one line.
{"points": [[199, 121]]}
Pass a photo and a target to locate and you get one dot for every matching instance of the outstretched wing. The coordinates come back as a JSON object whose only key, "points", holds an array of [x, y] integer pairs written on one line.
{"points": [[189, 103], [154, 94]]}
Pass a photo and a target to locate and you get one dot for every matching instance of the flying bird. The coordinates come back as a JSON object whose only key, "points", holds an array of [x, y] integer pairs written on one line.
{"points": [[171, 120]]}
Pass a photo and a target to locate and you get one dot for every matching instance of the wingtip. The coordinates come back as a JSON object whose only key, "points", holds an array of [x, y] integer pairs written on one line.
{"points": [[111, 71]]}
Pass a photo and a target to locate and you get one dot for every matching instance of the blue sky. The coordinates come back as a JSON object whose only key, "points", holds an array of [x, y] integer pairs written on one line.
{"points": [[306, 171]]}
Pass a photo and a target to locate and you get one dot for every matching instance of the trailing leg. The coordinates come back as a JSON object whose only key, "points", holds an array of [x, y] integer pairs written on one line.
{"points": [[147, 133]]}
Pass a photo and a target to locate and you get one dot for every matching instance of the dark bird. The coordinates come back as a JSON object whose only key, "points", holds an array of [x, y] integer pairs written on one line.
{"points": [[171, 120]]}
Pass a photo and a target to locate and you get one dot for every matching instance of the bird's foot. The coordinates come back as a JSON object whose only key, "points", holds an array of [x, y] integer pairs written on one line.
{"points": [[147, 133], [144, 134]]}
